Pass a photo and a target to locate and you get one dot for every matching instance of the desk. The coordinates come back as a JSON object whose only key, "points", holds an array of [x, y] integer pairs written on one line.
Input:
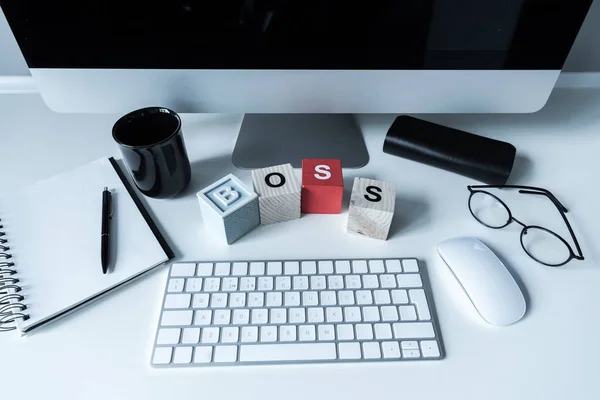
{"points": [[103, 351]]}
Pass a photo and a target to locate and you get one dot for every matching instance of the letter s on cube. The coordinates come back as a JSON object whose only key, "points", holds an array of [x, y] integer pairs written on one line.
{"points": [[322, 186]]}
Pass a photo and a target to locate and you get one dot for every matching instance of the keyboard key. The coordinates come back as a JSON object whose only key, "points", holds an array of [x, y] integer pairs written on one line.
{"points": [[274, 268], [417, 297], [297, 315], [353, 282], [346, 298], [300, 282], [274, 299], [349, 351], [342, 267], [307, 333], [230, 334], [382, 297], [335, 282], [256, 299], [178, 300], [393, 266], [288, 352], [183, 269], [193, 284], [371, 350], [317, 282], [230, 284], [334, 314], [376, 267], [390, 350], [383, 331], [203, 354], [237, 300], [409, 345], [210, 335], [328, 298], [268, 333], [218, 300], [430, 348], [249, 334], [191, 336], [399, 296], [309, 267], [315, 314], [162, 355], [240, 268], [265, 283], [168, 336], [388, 281], [411, 353], [409, 280], [283, 283], [325, 267], [200, 300], [183, 355], [292, 299], [225, 354], [352, 314], [410, 265], [407, 313], [278, 315], [326, 332], [175, 285], [345, 332], [364, 297], [370, 282], [222, 317], [389, 313], [203, 317], [310, 298], [247, 284], [260, 316], [413, 330], [287, 333], [257, 268], [370, 314], [241, 317], [222, 269], [175, 318], [204, 269], [359, 267], [364, 331], [291, 268], [212, 284]]}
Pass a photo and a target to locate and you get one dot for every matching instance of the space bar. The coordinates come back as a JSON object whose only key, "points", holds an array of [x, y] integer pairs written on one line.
{"points": [[287, 352]]}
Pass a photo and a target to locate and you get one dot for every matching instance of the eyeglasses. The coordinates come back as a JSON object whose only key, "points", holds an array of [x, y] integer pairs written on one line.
{"points": [[541, 244]]}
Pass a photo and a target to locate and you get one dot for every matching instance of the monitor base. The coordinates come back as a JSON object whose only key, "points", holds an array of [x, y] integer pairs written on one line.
{"points": [[272, 139]]}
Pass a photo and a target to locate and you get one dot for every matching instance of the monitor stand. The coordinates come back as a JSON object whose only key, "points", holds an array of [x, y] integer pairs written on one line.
{"points": [[272, 139]]}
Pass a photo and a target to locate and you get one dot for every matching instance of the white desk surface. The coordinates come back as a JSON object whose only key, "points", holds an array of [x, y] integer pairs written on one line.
{"points": [[103, 351]]}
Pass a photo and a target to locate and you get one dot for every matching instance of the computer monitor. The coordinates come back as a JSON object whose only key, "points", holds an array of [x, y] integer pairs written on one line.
{"points": [[271, 58]]}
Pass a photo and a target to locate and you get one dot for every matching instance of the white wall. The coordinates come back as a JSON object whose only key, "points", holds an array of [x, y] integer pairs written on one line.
{"points": [[585, 55]]}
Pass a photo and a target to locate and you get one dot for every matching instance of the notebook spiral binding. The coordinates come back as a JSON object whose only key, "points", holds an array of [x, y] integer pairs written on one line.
{"points": [[11, 308]]}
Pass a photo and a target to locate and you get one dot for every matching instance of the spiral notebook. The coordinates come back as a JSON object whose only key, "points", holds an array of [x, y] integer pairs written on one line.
{"points": [[50, 245]]}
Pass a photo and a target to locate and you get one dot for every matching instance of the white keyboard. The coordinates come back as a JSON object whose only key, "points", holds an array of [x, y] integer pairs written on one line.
{"points": [[236, 313]]}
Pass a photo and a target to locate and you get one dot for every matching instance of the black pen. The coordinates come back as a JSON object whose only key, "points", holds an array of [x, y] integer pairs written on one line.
{"points": [[106, 216]]}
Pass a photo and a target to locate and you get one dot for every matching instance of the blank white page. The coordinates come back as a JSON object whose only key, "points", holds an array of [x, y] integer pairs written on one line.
{"points": [[53, 228]]}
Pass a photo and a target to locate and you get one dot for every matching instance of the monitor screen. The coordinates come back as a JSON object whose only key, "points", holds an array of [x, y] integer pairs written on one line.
{"points": [[296, 34]]}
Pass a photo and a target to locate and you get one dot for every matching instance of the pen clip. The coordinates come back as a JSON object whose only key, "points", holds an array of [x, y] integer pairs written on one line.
{"points": [[112, 205]]}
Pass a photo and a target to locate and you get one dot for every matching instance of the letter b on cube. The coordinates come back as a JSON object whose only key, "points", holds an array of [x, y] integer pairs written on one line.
{"points": [[229, 209]]}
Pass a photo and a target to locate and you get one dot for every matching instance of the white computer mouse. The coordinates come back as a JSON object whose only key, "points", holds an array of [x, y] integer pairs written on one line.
{"points": [[486, 281]]}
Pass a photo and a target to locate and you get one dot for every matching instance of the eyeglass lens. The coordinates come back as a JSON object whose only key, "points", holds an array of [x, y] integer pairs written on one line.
{"points": [[488, 210], [545, 246]]}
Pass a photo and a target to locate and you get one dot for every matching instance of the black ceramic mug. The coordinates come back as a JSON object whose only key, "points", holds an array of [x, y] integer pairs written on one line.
{"points": [[151, 142]]}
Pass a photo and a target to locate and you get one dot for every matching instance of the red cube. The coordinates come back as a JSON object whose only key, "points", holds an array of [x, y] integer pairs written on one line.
{"points": [[322, 186]]}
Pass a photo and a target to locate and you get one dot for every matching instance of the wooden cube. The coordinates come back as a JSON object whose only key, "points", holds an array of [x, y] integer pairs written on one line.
{"points": [[371, 208], [229, 208], [322, 186], [278, 193]]}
